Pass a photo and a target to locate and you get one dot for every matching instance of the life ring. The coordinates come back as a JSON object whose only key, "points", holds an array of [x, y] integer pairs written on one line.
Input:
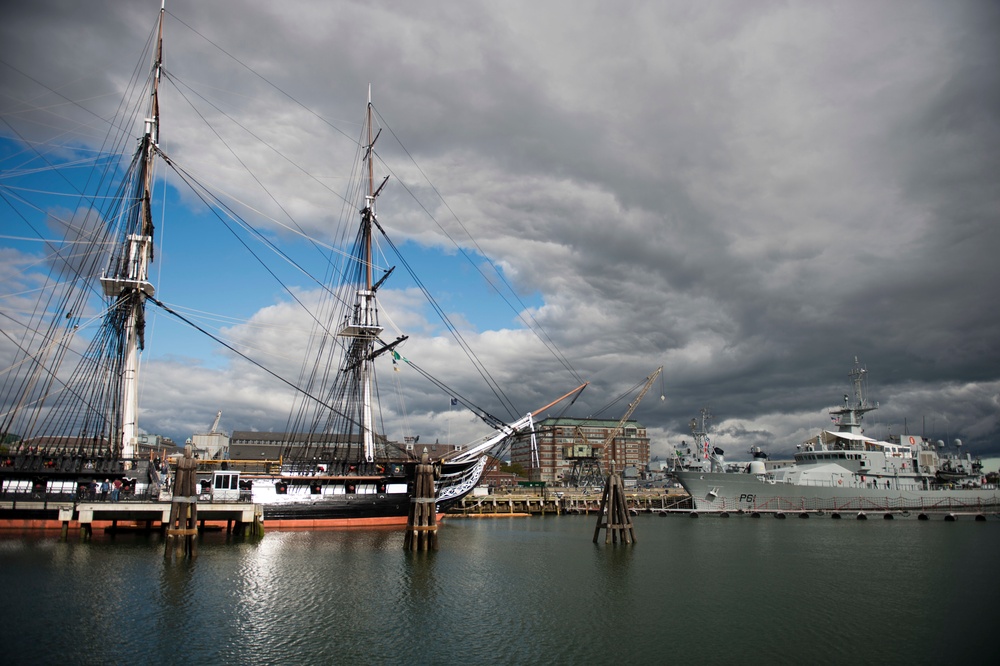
{"points": [[840, 481], [912, 441]]}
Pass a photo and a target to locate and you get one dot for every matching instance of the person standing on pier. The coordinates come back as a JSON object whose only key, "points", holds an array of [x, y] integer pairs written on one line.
{"points": [[105, 487]]}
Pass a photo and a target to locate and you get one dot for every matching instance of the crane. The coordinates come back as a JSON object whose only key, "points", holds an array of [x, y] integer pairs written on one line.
{"points": [[215, 424], [586, 459], [609, 440]]}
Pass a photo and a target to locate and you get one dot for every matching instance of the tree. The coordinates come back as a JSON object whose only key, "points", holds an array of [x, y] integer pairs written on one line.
{"points": [[517, 469]]}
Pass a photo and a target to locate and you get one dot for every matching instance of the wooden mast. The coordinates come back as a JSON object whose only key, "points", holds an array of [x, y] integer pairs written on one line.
{"points": [[368, 297], [133, 284]]}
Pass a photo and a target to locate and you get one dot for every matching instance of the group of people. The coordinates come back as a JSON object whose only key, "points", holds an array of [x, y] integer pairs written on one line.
{"points": [[107, 486], [159, 477]]}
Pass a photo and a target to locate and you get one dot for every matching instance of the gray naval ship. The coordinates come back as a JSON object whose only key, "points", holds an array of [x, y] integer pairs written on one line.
{"points": [[844, 470]]}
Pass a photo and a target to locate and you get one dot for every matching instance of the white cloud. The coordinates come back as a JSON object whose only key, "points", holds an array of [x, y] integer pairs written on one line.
{"points": [[749, 195]]}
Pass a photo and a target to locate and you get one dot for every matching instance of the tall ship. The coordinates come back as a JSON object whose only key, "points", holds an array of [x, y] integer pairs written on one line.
{"points": [[64, 431], [845, 470]]}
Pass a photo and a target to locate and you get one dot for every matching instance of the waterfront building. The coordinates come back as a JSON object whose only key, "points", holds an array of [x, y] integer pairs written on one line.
{"points": [[495, 478], [147, 446], [150, 446], [211, 445], [568, 450]]}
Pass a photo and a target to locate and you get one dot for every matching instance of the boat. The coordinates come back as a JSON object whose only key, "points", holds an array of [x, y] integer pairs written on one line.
{"points": [[701, 455], [67, 433], [845, 470]]}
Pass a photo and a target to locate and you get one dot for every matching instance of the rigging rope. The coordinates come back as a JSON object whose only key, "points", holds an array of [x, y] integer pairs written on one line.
{"points": [[532, 325], [190, 323], [537, 328]]}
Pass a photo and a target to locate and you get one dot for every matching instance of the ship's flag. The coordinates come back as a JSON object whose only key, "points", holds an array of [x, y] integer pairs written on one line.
{"points": [[454, 401]]}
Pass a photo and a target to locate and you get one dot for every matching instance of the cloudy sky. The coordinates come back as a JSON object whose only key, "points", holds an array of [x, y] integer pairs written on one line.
{"points": [[748, 194]]}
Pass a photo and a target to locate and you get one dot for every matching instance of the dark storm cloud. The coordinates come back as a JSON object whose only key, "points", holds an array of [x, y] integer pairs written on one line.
{"points": [[749, 194]]}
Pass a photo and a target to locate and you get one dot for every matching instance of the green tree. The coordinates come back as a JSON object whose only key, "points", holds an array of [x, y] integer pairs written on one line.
{"points": [[517, 469]]}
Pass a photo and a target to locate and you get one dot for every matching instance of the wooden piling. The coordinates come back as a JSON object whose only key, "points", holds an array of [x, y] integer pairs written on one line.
{"points": [[613, 515], [182, 532], [421, 522]]}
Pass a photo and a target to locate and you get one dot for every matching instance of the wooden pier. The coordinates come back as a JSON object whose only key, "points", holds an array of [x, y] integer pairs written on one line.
{"points": [[523, 506], [237, 517], [568, 502], [846, 514]]}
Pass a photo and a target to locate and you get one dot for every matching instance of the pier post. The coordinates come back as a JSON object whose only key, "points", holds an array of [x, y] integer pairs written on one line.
{"points": [[182, 532], [65, 515], [86, 518], [421, 523], [613, 516], [257, 526]]}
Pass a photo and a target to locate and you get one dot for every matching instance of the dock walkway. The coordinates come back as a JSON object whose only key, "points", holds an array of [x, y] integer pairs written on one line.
{"points": [[873, 514], [154, 514], [561, 502]]}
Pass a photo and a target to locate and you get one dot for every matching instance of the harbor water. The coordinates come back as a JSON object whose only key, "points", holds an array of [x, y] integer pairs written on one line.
{"points": [[515, 591]]}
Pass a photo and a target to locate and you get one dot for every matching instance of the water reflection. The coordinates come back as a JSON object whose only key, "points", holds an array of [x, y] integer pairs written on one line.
{"points": [[506, 591]]}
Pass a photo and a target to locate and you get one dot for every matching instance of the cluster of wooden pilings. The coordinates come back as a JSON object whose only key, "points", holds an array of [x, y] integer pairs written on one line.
{"points": [[182, 531], [614, 515], [421, 522]]}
